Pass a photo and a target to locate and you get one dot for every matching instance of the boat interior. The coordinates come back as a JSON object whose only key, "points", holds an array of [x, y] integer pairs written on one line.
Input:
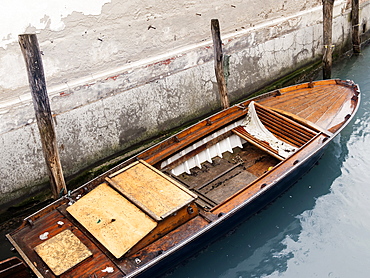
{"points": [[218, 178]]}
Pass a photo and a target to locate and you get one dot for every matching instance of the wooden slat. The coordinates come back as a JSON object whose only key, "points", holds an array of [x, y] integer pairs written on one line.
{"points": [[240, 131], [302, 121], [284, 128], [283, 132], [285, 119], [288, 124]]}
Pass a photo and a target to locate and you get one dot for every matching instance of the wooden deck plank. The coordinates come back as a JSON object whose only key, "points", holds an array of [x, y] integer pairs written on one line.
{"points": [[229, 184], [336, 112], [293, 98], [302, 104], [332, 99]]}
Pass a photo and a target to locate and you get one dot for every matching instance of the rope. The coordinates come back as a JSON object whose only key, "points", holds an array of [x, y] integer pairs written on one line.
{"points": [[326, 49]]}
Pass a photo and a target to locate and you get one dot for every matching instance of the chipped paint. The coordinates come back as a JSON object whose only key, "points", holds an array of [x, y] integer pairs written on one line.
{"points": [[22, 15]]}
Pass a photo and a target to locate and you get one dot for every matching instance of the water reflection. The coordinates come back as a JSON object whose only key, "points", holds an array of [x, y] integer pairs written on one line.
{"points": [[334, 239]]}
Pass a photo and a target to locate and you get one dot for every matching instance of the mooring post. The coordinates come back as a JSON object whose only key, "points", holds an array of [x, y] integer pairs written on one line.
{"points": [[327, 37], [31, 53], [219, 67], [355, 13]]}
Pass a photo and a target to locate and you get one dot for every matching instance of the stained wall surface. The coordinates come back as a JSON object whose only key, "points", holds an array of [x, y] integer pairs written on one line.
{"points": [[119, 72]]}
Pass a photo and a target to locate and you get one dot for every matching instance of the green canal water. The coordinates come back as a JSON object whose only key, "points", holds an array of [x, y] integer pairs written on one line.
{"points": [[318, 228]]}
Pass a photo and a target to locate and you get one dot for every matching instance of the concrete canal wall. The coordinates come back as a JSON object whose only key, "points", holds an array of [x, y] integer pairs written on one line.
{"points": [[119, 72]]}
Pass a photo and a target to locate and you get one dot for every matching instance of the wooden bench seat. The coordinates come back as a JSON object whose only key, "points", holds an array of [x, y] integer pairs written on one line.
{"points": [[240, 131]]}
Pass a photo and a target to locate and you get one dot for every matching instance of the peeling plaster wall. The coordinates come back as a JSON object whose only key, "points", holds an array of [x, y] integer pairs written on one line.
{"points": [[82, 43], [121, 72]]}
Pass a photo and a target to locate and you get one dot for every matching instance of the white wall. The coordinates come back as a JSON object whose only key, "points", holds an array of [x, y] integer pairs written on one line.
{"points": [[82, 40], [113, 81]]}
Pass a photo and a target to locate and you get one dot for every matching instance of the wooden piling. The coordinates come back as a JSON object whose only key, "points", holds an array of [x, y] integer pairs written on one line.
{"points": [[31, 53], [327, 37], [219, 67], [356, 40]]}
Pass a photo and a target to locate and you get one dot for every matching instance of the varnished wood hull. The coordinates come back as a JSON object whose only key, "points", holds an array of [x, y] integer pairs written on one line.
{"points": [[219, 195]]}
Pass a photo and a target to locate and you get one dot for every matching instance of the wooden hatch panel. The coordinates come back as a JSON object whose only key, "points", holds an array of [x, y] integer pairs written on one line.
{"points": [[155, 193], [112, 219], [62, 252]]}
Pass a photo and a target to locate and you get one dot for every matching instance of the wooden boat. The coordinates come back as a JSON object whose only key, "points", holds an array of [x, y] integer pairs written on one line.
{"points": [[155, 209]]}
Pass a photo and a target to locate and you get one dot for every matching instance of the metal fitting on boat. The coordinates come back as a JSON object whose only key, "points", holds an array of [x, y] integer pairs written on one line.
{"points": [[190, 210]]}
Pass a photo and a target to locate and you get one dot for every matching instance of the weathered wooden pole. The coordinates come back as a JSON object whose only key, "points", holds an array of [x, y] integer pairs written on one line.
{"points": [[219, 65], [327, 37], [355, 13], [31, 53]]}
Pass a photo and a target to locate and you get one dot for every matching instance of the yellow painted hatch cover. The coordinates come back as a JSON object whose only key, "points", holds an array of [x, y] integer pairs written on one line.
{"points": [[156, 193], [62, 252], [112, 219]]}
